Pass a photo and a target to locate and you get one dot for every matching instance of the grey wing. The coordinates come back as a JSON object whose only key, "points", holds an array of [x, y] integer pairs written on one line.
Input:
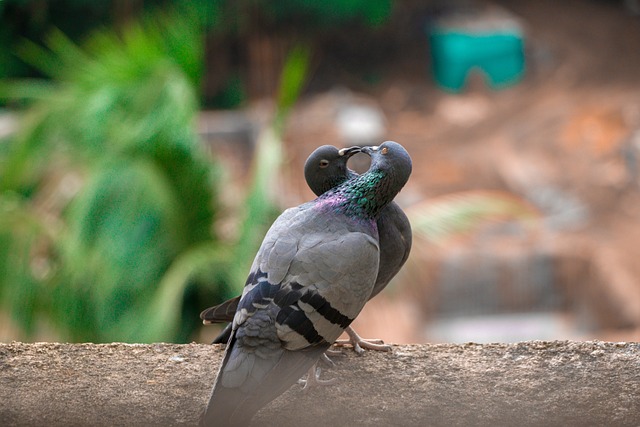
{"points": [[395, 238], [272, 248], [328, 283]]}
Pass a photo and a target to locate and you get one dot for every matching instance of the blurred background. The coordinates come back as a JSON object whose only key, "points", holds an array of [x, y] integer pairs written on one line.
{"points": [[146, 147]]}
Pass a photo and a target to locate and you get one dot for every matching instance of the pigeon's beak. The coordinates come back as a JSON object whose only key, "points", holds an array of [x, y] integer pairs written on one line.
{"points": [[370, 149], [349, 151]]}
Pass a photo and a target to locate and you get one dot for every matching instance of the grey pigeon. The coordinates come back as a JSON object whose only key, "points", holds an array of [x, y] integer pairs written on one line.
{"points": [[312, 275], [324, 169]]}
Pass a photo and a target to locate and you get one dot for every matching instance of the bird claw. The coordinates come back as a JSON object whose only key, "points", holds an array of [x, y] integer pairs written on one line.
{"points": [[325, 359], [332, 353], [313, 379], [359, 344]]}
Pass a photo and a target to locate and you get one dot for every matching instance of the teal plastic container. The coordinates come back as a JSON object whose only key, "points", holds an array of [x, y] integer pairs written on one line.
{"points": [[499, 55]]}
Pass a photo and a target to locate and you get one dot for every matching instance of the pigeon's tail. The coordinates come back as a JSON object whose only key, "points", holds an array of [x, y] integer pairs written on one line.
{"points": [[247, 382], [220, 313], [223, 410]]}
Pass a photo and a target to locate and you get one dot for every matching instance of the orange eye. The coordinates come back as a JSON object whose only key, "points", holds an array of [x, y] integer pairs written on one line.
{"points": [[324, 163], [384, 150]]}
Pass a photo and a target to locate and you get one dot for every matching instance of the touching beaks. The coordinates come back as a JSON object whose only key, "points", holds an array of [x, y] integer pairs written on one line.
{"points": [[349, 151], [370, 149]]}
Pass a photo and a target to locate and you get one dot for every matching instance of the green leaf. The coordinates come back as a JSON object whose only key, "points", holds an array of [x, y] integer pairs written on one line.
{"points": [[292, 79], [159, 319]]}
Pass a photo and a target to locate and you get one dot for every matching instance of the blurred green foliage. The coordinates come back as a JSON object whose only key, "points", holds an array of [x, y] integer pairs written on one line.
{"points": [[117, 116], [306, 16], [107, 197], [231, 22]]}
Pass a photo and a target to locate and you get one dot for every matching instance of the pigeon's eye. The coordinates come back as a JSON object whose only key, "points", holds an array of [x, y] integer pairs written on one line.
{"points": [[324, 163], [384, 150]]}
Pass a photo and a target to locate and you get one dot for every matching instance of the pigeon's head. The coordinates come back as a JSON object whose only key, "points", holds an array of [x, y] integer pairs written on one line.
{"points": [[326, 167], [392, 159]]}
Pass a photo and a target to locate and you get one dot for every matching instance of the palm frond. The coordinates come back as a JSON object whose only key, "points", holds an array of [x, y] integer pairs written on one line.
{"points": [[121, 112], [444, 216]]}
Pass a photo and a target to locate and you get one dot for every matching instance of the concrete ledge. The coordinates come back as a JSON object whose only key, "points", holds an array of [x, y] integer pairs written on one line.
{"points": [[524, 384]]}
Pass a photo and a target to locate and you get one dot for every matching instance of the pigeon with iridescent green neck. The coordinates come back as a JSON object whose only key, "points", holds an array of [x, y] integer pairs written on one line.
{"points": [[324, 169], [315, 270]]}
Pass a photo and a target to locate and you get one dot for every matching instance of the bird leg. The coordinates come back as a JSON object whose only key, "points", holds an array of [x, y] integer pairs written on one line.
{"points": [[359, 344], [313, 376]]}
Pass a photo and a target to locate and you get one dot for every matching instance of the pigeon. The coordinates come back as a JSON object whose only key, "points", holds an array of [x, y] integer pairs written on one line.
{"points": [[312, 275], [324, 169]]}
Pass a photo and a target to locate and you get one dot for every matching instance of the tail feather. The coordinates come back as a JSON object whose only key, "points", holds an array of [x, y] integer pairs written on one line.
{"points": [[220, 313], [266, 380]]}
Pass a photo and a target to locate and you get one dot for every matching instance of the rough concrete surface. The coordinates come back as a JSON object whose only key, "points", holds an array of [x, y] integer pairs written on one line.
{"points": [[525, 384]]}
